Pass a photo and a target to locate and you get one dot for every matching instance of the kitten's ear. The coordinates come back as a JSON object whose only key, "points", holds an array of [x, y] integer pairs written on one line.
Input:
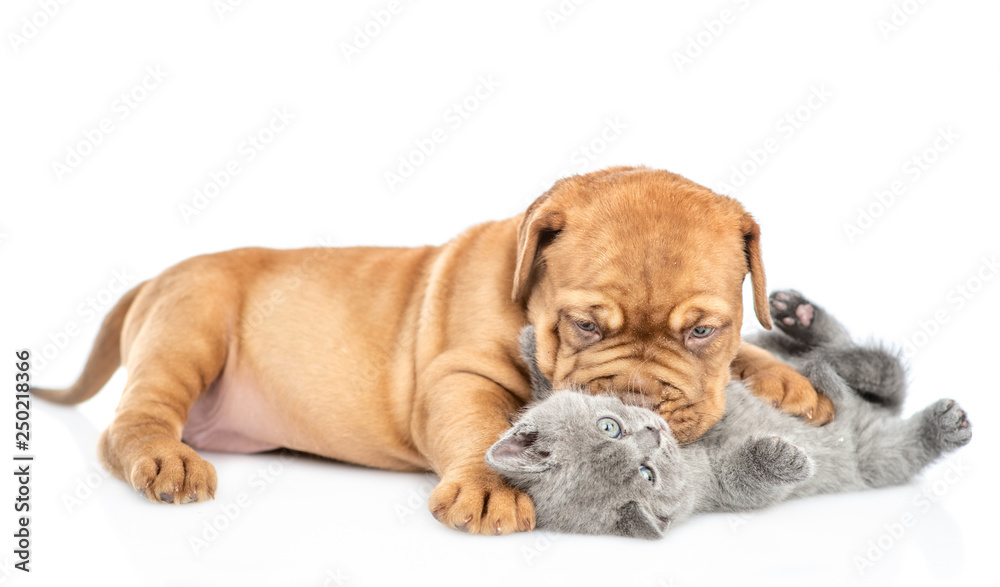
{"points": [[518, 452], [541, 387], [635, 523]]}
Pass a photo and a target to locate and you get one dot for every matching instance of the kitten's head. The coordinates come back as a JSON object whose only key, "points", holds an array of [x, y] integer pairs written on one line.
{"points": [[594, 465]]}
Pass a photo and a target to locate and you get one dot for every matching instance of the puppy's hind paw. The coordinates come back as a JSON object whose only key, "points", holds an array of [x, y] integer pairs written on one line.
{"points": [[171, 472]]}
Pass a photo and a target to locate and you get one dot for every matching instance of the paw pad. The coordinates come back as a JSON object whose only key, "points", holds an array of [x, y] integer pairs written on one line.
{"points": [[791, 309]]}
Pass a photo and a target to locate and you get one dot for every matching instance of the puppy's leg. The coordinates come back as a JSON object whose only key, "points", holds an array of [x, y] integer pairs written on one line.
{"points": [[174, 346], [456, 419], [779, 383]]}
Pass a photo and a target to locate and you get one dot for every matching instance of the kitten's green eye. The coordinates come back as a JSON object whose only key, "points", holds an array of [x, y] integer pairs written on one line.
{"points": [[647, 473], [702, 331], [609, 427]]}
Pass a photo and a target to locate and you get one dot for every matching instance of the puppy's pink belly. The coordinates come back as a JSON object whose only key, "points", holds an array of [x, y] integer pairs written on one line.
{"points": [[230, 417]]}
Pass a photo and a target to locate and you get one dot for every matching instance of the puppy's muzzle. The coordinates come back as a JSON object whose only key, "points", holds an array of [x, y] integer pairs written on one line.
{"points": [[636, 390]]}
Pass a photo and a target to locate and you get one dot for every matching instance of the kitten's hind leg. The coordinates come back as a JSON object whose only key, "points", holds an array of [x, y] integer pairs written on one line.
{"points": [[891, 451], [805, 322], [875, 374]]}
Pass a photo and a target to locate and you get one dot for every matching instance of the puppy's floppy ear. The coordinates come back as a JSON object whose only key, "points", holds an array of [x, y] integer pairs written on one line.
{"points": [[540, 223], [517, 452], [755, 264], [544, 219]]}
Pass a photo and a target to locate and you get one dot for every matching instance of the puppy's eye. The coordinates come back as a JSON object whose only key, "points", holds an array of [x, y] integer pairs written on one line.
{"points": [[702, 331], [647, 473], [587, 331], [609, 427]]}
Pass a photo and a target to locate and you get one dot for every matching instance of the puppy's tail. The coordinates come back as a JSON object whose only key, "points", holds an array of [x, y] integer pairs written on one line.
{"points": [[104, 359]]}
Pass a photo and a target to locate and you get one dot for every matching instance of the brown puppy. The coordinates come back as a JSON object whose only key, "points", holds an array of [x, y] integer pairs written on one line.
{"points": [[407, 358], [642, 292]]}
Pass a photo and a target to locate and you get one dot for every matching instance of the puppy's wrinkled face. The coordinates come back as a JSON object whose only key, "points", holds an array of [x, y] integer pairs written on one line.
{"points": [[636, 290]]}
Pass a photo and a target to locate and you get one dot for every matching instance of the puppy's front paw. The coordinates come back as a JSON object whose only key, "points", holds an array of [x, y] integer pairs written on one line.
{"points": [[779, 461], [477, 500], [947, 425], [783, 387]]}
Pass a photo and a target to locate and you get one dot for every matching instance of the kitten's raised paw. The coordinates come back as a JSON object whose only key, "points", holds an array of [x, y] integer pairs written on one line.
{"points": [[948, 425], [804, 321], [791, 312], [779, 461]]}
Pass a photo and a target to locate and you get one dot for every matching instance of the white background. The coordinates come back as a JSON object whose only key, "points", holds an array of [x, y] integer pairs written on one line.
{"points": [[322, 179]]}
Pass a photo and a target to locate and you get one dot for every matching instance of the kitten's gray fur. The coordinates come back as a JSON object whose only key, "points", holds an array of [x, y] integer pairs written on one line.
{"points": [[583, 481]]}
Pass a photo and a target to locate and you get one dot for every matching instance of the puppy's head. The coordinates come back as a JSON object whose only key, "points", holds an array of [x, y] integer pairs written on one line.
{"points": [[633, 280]]}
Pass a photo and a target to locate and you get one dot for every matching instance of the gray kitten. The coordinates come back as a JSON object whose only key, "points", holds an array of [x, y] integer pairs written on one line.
{"points": [[594, 465]]}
